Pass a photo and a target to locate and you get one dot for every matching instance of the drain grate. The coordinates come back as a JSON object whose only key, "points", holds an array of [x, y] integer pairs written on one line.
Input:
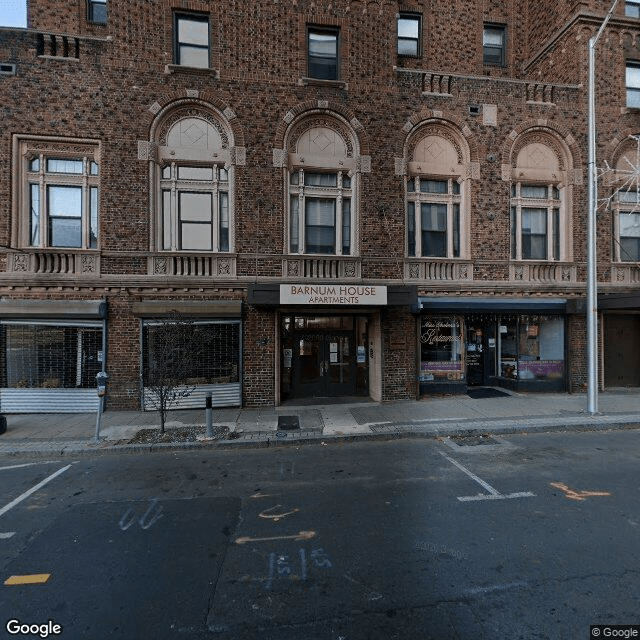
{"points": [[288, 423]]}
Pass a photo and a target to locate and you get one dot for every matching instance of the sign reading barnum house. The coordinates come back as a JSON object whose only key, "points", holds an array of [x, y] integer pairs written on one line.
{"points": [[324, 239]]}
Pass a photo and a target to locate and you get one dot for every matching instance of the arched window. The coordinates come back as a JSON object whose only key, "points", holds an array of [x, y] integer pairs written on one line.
{"points": [[538, 203], [322, 183], [436, 194], [194, 209]]}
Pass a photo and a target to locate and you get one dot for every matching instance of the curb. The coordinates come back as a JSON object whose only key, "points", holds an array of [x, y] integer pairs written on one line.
{"points": [[379, 432]]}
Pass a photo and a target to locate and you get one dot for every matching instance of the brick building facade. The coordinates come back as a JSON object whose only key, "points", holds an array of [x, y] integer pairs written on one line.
{"points": [[385, 199]]}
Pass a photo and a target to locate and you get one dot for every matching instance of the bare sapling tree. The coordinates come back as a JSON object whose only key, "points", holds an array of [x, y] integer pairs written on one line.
{"points": [[173, 345]]}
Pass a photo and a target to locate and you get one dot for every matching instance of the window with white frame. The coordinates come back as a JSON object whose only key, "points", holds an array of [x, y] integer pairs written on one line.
{"points": [[626, 222], [61, 204], [97, 11], [409, 32], [191, 45], [320, 212], [536, 228], [633, 84], [433, 217], [195, 207]]}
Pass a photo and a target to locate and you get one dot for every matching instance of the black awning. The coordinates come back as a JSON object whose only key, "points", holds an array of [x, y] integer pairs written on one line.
{"points": [[492, 305]]}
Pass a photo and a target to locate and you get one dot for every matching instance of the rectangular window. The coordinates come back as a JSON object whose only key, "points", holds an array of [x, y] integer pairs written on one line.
{"points": [[493, 45], [192, 41], [409, 31], [65, 216], [97, 11], [61, 198], [630, 237], [320, 225], [632, 8], [51, 357], [534, 234], [633, 85], [441, 347], [434, 227], [195, 208], [322, 47], [195, 221], [434, 230]]}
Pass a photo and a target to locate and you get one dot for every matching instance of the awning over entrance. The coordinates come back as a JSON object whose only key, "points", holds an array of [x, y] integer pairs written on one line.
{"points": [[75, 309], [492, 305]]}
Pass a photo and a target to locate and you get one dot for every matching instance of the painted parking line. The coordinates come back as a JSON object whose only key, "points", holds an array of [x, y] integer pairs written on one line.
{"points": [[493, 494], [31, 491]]}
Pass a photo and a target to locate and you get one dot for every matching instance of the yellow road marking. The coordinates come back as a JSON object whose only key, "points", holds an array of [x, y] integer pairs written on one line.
{"points": [[301, 535], [572, 494], [37, 578]]}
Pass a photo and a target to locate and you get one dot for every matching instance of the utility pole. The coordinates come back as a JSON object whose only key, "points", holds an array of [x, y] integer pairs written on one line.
{"points": [[592, 275]]}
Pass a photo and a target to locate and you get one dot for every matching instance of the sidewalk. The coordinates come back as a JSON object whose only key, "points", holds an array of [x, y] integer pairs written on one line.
{"points": [[74, 434]]}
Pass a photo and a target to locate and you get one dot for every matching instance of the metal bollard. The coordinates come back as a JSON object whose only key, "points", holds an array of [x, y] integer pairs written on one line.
{"points": [[209, 416]]}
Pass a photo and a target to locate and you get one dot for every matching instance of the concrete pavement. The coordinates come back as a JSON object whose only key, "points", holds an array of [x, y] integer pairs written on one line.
{"points": [[74, 434]]}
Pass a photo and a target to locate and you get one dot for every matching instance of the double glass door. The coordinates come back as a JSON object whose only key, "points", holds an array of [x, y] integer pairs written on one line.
{"points": [[324, 356]]}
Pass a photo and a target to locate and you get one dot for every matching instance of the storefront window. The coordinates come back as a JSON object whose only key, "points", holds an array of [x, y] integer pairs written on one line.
{"points": [[47, 356], [531, 348], [441, 344]]}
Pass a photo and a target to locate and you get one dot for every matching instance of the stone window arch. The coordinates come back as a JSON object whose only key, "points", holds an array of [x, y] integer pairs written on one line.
{"points": [[540, 199], [437, 193], [322, 183], [194, 177]]}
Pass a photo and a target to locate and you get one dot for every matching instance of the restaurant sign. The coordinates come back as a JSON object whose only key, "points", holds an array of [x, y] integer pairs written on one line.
{"points": [[333, 294]]}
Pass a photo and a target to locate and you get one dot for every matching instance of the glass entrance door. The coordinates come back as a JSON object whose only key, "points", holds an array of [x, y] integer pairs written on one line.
{"points": [[325, 365], [324, 356]]}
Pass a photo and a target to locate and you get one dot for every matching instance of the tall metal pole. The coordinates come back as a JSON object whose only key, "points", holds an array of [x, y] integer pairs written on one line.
{"points": [[592, 276]]}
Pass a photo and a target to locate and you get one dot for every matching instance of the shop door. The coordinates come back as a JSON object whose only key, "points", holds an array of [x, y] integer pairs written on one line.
{"points": [[325, 365], [475, 355], [622, 351]]}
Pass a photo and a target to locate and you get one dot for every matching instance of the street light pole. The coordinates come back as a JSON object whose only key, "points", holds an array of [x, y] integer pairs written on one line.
{"points": [[592, 276]]}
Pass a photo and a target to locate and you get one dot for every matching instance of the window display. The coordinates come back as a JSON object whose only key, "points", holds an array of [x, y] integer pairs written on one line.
{"points": [[441, 345]]}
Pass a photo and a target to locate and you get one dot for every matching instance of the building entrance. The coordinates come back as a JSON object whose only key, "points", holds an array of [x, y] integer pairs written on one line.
{"points": [[324, 356]]}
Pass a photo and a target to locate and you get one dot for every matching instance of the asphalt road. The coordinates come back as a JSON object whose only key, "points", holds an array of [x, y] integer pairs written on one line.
{"points": [[527, 536]]}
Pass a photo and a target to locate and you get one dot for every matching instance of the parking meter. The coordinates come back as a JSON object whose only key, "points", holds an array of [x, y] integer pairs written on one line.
{"points": [[101, 382]]}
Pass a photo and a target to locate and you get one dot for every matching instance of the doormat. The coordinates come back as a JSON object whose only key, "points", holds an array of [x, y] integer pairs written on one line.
{"points": [[486, 392]]}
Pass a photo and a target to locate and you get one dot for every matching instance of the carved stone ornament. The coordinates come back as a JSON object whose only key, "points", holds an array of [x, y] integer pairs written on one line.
{"points": [[321, 123], [538, 138], [224, 267], [160, 266], [191, 113], [88, 264], [414, 271], [350, 269], [20, 262], [293, 267]]}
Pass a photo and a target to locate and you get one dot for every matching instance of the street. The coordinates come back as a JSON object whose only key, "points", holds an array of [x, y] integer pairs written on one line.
{"points": [[520, 536]]}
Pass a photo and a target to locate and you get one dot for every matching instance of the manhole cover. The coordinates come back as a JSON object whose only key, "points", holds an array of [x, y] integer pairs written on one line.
{"points": [[472, 441], [287, 423]]}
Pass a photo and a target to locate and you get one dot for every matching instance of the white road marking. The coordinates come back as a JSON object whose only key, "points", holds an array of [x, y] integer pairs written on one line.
{"points": [[494, 494], [27, 464], [8, 534], [31, 491]]}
